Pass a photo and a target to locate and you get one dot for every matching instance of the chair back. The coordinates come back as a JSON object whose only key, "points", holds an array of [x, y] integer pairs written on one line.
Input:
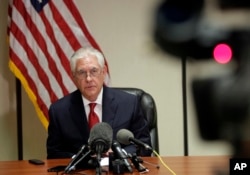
{"points": [[149, 111]]}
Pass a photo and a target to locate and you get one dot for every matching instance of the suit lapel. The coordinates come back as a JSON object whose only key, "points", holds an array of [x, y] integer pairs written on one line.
{"points": [[109, 106], [78, 113]]}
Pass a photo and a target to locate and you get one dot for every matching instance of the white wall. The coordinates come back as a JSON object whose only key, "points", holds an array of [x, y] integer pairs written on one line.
{"points": [[123, 30]]}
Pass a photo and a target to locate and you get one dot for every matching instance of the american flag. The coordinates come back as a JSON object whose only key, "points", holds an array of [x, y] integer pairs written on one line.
{"points": [[43, 34]]}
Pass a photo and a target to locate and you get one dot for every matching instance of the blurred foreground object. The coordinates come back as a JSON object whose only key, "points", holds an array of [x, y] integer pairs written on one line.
{"points": [[222, 103], [182, 29]]}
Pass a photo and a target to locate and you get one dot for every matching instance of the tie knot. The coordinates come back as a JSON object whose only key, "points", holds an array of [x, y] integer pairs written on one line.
{"points": [[92, 106]]}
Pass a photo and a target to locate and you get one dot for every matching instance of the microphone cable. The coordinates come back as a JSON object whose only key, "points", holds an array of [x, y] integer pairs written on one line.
{"points": [[126, 137], [163, 163]]}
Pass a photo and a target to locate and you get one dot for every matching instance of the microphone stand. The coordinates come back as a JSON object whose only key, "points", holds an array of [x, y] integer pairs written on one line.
{"points": [[98, 166], [99, 150], [75, 157], [136, 161], [70, 168]]}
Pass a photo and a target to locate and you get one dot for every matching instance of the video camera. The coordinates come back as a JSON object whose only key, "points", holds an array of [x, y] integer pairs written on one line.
{"points": [[222, 103]]}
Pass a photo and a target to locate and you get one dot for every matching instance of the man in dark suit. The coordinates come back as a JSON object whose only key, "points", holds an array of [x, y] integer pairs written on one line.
{"points": [[68, 128]]}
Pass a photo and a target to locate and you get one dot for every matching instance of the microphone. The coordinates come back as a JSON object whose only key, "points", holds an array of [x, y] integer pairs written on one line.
{"points": [[100, 138], [99, 142], [116, 147], [126, 137]]}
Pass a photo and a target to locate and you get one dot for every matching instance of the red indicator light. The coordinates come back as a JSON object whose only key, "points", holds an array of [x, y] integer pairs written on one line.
{"points": [[222, 53]]}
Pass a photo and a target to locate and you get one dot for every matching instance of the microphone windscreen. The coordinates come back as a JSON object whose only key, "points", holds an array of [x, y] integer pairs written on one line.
{"points": [[101, 131], [123, 136]]}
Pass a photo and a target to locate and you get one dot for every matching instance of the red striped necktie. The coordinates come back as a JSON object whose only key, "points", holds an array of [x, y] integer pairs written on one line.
{"points": [[93, 118]]}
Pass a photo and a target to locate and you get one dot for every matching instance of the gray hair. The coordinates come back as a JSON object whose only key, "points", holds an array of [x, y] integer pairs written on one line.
{"points": [[83, 53]]}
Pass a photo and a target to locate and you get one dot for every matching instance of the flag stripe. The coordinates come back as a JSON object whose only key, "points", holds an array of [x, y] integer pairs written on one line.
{"points": [[53, 47], [51, 61], [83, 36], [61, 38], [23, 68], [30, 93], [43, 35], [29, 76], [26, 43], [62, 24], [41, 41]]}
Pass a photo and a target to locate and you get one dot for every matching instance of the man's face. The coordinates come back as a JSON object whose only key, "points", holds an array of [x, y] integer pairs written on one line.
{"points": [[89, 77]]}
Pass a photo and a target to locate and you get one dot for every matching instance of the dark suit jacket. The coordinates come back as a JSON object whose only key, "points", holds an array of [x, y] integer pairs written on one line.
{"points": [[68, 127]]}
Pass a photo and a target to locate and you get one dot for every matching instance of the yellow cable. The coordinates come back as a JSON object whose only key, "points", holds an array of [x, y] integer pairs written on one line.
{"points": [[163, 163]]}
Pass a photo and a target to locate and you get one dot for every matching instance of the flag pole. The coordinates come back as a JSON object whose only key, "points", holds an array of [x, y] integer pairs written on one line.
{"points": [[184, 99], [19, 119]]}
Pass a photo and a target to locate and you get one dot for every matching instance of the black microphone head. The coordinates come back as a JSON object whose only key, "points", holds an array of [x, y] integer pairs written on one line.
{"points": [[100, 137], [123, 136], [116, 148], [114, 144]]}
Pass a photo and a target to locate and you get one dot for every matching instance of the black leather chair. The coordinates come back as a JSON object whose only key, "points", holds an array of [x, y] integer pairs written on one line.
{"points": [[149, 110]]}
